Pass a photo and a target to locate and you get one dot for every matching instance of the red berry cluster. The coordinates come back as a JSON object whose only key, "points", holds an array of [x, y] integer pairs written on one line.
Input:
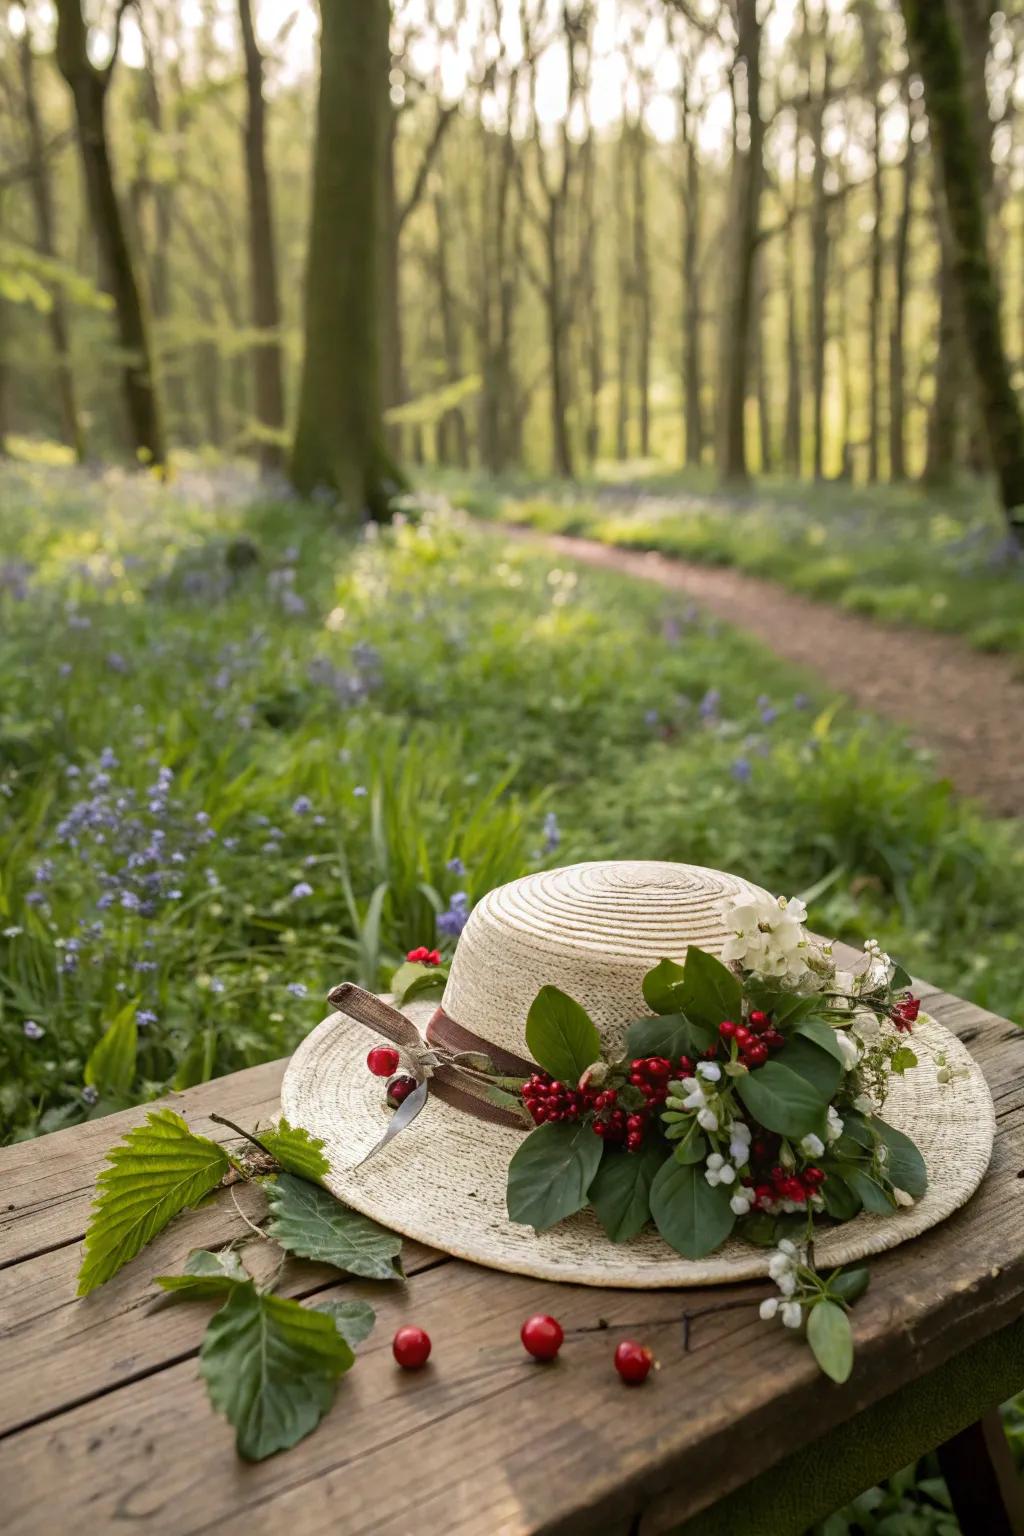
{"points": [[651, 1075], [548, 1100], [785, 1184], [424, 956], [755, 1040], [904, 1015]]}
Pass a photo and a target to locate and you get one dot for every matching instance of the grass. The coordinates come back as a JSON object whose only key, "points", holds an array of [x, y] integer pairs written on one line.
{"points": [[244, 753], [892, 552]]}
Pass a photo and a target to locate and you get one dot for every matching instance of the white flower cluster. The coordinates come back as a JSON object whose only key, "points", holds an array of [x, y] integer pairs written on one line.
{"points": [[767, 936], [697, 1098], [717, 1170], [782, 1267]]}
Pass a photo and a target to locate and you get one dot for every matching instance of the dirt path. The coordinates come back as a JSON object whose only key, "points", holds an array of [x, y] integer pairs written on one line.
{"points": [[968, 708]]}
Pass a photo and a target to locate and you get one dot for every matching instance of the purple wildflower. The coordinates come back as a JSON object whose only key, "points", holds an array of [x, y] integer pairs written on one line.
{"points": [[709, 704], [456, 866], [741, 769], [302, 889], [90, 1095], [297, 988], [32, 1031], [145, 1017], [552, 834], [452, 922]]}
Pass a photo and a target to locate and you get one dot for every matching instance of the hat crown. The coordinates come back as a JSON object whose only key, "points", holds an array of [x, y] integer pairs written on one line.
{"points": [[593, 930]]}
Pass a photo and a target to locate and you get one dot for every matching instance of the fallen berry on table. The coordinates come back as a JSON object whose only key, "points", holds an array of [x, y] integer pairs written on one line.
{"points": [[382, 1060], [399, 1090], [633, 1362], [411, 1348], [542, 1336]]}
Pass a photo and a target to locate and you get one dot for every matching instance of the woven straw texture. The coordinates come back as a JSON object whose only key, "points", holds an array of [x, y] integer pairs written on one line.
{"points": [[442, 1181]]}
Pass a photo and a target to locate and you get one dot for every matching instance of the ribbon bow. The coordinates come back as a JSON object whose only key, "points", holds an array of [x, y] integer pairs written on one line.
{"points": [[468, 1079]]}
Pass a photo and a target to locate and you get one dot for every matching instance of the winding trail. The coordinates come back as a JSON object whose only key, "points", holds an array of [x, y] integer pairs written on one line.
{"points": [[965, 706]]}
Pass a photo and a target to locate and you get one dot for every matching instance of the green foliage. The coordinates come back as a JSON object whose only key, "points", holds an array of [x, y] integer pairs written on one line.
{"points": [[312, 1224], [110, 1068], [206, 1276], [270, 1366], [692, 1216], [831, 1339], [621, 1191], [354, 1320], [296, 1150], [782, 1100], [154, 1173], [710, 992], [561, 1036], [550, 1174]]}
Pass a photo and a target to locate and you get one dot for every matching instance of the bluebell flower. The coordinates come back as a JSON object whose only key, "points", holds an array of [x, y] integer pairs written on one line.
{"points": [[302, 806], [452, 922], [671, 629], [741, 769], [297, 988], [456, 866], [129, 901], [32, 1030], [651, 718], [552, 835], [145, 1017], [116, 662], [709, 704], [801, 701], [90, 1095], [216, 985], [360, 790], [303, 888]]}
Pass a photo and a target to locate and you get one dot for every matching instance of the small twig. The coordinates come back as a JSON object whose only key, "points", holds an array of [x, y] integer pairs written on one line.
{"points": [[250, 1224], [246, 1135], [686, 1318]]}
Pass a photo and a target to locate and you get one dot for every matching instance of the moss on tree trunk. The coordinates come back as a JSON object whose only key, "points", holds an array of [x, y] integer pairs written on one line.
{"points": [[339, 438], [936, 50]]}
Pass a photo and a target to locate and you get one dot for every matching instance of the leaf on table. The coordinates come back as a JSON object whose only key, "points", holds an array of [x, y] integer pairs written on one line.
{"points": [[310, 1223], [831, 1339], [354, 1320], [551, 1173], [270, 1366], [561, 1036], [693, 1216], [157, 1171], [111, 1064], [296, 1150], [205, 1275]]}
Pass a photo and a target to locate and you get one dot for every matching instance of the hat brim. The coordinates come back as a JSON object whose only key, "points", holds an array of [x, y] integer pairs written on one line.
{"points": [[442, 1180]]}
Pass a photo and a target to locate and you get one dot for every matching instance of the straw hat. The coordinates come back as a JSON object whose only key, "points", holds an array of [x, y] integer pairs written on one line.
{"points": [[593, 930]]}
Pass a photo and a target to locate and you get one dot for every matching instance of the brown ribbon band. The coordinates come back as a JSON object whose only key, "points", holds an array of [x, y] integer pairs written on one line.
{"points": [[456, 1085]]}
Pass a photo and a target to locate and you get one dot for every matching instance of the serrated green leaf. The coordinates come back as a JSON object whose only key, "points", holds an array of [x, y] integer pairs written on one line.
{"points": [[551, 1173], [904, 1165], [354, 1320], [296, 1150], [158, 1170], [309, 1222], [270, 1366], [111, 1064], [620, 1194], [902, 1060], [561, 1035], [662, 985], [205, 1275], [710, 992], [831, 1339], [781, 1100], [693, 1216]]}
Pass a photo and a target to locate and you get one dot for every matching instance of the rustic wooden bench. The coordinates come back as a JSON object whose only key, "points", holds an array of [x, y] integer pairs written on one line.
{"points": [[105, 1424]]}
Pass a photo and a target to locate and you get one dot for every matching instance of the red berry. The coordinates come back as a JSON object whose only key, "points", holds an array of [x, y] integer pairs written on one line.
{"points": [[399, 1090], [758, 1020], [757, 1053], [382, 1060], [411, 1348], [727, 1029], [542, 1336], [633, 1362], [710, 1053]]}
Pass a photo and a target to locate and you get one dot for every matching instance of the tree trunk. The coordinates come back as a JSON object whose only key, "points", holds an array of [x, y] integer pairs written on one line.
{"points": [[265, 307], [747, 181], [89, 91], [872, 50], [944, 413], [622, 306], [642, 285], [453, 442], [42, 202], [391, 339], [897, 429], [936, 50], [339, 438], [561, 446], [692, 417], [819, 260]]}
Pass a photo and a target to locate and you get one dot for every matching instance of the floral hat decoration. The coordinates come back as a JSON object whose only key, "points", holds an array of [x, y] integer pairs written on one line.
{"points": [[644, 1074]]}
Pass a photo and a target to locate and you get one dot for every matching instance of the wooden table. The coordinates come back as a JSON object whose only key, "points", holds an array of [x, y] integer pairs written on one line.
{"points": [[106, 1425]]}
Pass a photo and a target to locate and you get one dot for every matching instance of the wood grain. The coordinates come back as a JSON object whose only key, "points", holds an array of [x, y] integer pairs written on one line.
{"points": [[482, 1441]]}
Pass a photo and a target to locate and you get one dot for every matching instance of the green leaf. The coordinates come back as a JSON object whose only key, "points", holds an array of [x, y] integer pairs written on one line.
{"points": [[354, 1320], [901, 980], [661, 986], [620, 1194], [206, 1275], [667, 1034], [296, 1150], [412, 979], [902, 1060], [111, 1063], [551, 1173], [196, 1066], [693, 1151], [873, 1196], [816, 1066], [155, 1172], [561, 1036], [821, 1035], [309, 1222], [831, 1339], [781, 1100], [841, 1202], [904, 1165], [692, 1216], [270, 1366], [710, 993], [850, 1284]]}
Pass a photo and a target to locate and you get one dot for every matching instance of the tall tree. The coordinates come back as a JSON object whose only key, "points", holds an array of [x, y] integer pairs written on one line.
{"points": [[901, 246], [265, 308], [89, 86], [339, 437], [937, 53], [689, 123]]}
